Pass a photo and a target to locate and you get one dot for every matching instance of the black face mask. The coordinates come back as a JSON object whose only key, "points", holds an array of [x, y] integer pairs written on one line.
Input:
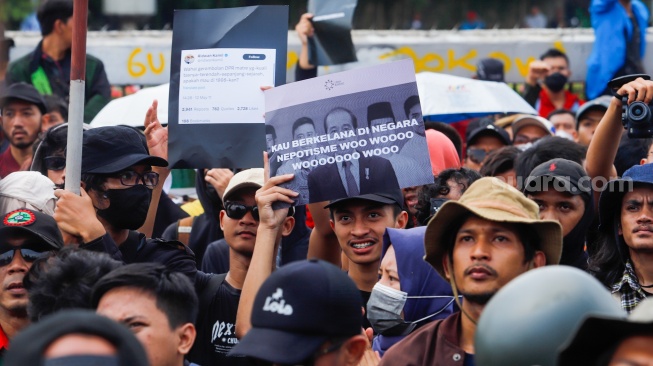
{"points": [[555, 82], [127, 207]]}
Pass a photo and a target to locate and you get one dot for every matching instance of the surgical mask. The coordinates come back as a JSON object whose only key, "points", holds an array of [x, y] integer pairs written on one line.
{"points": [[95, 360], [555, 82], [384, 311], [127, 207]]}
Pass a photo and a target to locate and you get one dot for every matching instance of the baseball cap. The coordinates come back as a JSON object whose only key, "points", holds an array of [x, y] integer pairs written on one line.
{"points": [[386, 198], [613, 192], [603, 332], [491, 199], [379, 110], [34, 223], [528, 120], [110, 149], [297, 309], [244, 179], [489, 130], [569, 175], [490, 69], [601, 103], [22, 91]]}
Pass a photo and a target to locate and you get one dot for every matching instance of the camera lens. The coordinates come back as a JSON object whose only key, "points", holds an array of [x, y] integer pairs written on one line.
{"points": [[639, 112]]}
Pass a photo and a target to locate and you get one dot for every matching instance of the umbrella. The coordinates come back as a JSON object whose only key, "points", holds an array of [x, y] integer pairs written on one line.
{"points": [[130, 110], [446, 98]]}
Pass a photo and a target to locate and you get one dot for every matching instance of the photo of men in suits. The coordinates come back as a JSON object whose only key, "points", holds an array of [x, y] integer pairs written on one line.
{"points": [[349, 178]]}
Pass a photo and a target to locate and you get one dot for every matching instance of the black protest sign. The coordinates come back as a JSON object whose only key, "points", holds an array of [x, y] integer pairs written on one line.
{"points": [[220, 59], [332, 21], [350, 133]]}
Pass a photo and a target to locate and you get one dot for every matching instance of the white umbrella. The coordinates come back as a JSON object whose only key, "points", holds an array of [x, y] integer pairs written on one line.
{"points": [[447, 98], [130, 110]]}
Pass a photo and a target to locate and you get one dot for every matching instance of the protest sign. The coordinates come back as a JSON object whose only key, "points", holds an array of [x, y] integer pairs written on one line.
{"points": [[220, 59], [331, 43], [351, 133]]}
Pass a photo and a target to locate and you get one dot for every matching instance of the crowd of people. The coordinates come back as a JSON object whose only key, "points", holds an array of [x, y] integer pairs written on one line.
{"points": [[531, 247]]}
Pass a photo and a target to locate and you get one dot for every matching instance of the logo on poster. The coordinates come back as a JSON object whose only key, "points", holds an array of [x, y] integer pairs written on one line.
{"points": [[189, 59], [330, 84]]}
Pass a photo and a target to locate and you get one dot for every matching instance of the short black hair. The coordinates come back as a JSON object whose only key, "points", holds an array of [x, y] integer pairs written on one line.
{"points": [[525, 233], [552, 53], [500, 161], [561, 111], [269, 130], [51, 11], [450, 132], [354, 121], [545, 149], [630, 152], [64, 280], [54, 103], [412, 101], [464, 176], [300, 122], [174, 293]]}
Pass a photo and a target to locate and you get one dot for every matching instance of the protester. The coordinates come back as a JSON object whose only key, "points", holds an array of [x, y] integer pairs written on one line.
{"points": [[306, 313], [563, 191], [481, 142], [27, 190], [588, 117], [479, 243], [449, 185], [543, 308], [631, 152], [619, 44], [76, 337], [449, 131], [158, 305], [535, 19], [117, 185], [564, 121], [25, 235], [57, 111], [545, 84], [409, 294], [618, 340], [544, 150], [64, 280], [527, 130], [621, 262], [442, 152], [240, 221], [501, 164], [23, 111], [304, 29], [48, 66], [50, 155]]}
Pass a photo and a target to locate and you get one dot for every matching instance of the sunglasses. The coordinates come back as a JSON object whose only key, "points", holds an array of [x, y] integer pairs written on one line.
{"points": [[29, 255], [55, 162], [237, 210], [477, 155]]}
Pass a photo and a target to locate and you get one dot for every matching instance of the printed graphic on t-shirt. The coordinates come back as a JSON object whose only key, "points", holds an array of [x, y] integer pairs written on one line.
{"points": [[223, 336]]}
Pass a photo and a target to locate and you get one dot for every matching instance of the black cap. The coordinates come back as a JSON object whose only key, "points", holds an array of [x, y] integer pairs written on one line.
{"points": [[490, 69], [599, 104], [297, 309], [111, 149], [34, 223], [489, 130], [387, 198], [569, 176], [22, 91]]}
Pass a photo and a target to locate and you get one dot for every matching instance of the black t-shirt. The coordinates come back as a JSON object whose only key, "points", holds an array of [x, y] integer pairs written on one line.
{"points": [[366, 297], [216, 331]]}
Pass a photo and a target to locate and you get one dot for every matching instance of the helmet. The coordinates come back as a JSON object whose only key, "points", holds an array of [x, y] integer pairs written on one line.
{"points": [[528, 320]]}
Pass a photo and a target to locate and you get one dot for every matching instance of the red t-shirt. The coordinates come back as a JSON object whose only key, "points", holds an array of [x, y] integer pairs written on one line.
{"points": [[544, 105], [8, 164]]}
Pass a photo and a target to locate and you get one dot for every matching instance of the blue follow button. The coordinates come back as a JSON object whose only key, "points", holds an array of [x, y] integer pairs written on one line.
{"points": [[254, 56]]}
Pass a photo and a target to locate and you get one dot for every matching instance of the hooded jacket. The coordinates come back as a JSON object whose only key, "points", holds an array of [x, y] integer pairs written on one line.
{"points": [[417, 278], [573, 244]]}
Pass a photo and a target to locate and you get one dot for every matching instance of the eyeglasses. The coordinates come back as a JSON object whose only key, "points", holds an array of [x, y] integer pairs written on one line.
{"points": [[29, 255], [55, 162], [130, 178], [477, 155], [237, 211], [522, 139]]}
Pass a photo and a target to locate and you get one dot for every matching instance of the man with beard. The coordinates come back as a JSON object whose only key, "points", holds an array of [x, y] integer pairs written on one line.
{"points": [[23, 111], [552, 71], [25, 236], [117, 174], [479, 244]]}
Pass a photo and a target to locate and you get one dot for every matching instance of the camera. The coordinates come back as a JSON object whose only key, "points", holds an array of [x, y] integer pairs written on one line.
{"points": [[637, 117]]}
